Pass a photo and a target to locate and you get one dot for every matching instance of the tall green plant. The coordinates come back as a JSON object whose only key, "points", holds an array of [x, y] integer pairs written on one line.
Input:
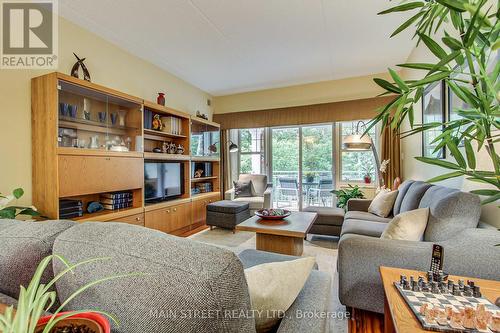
{"points": [[468, 63]]}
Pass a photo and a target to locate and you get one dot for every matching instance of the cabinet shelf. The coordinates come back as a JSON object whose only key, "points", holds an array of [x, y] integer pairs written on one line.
{"points": [[205, 158], [204, 195], [106, 215], [160, 136], [201, 179], [92, 126], [167, 157], [97, 152]]}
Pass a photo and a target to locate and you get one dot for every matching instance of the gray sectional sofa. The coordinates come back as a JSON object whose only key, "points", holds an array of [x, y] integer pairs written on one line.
{"points": [[189, 286], [469, 246]]}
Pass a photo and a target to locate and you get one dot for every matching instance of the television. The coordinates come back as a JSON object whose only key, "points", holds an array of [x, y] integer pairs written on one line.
{"points": [[163, 180]]}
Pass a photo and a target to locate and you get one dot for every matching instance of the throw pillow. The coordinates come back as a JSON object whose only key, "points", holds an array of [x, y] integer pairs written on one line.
{"points": [[383, 202], [242, 189], [409, 225], [273, 288]]}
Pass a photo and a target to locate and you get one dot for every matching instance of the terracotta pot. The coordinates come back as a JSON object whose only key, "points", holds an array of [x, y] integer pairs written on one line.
{"points": [[93, 321]]}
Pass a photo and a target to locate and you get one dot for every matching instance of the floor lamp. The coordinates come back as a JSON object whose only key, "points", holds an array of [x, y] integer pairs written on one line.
{"points": [[360, 142]]}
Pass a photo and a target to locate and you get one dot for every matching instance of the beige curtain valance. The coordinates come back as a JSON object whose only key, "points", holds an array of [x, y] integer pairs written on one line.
{"points": [[307, 114]]}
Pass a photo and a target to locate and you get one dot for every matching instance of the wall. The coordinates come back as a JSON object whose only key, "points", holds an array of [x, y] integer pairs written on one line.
{"points": [[411, 147], [109, 66], [305, 94]]}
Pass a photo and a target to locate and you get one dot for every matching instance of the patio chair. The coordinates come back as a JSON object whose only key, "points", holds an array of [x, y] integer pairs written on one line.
{"points": [[322, 194], [287, 191]]}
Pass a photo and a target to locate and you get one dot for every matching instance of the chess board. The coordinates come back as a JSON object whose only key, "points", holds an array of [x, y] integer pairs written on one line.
{"points": [[415, 299]]}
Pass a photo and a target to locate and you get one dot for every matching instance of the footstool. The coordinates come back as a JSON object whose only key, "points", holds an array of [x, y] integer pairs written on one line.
{"points": [[227, 214], [329, 221]]}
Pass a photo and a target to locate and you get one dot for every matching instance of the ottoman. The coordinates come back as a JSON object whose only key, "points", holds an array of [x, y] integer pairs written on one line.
{"points": [[227, 214], [329, 221]]}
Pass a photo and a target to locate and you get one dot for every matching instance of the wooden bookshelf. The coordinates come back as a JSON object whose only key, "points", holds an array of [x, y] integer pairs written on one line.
{"points": [[67, 172]]}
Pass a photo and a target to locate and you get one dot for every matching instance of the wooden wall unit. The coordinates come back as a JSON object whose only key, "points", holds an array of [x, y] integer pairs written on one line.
{"points": [[82, 173]]}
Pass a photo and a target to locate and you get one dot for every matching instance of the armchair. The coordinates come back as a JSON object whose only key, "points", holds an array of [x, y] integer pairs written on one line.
{"points": [[261, 193]]}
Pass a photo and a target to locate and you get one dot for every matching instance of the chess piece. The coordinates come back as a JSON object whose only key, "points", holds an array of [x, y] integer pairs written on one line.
{"points": [[495, 323], [449, 311], [456, 290], [431, 315], [456, 319], [402, 279], [434, 287], [469, 317], [442, 318], [461, 284], [423, 308], [420, 281], [407, 285], [450, 286], [467, 291], [76, 67], [425, 287], [477, 292], [430, 276]]}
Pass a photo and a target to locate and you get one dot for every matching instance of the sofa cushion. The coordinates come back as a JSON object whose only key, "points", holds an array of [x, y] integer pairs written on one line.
{"points": [[184, 276], [383, 203], [254, 202], [228, 206], [451, 212], [327, 215], [22, 246], [275, 286], [413, 196], [242, 189], [356, 215], [366, 228], [409, 225], [403, 188], [259, 183]]}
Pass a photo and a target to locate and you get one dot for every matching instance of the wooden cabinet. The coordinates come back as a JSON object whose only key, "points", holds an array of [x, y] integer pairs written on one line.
{"points": [[79, 175], [136, 219], [173, 219], [199, 207]]}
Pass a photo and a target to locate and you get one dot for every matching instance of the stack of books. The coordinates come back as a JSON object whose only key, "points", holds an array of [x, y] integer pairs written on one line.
{"points": [[148, 119], [116, 200], [203, 188], [172, 125], [69, 209]]}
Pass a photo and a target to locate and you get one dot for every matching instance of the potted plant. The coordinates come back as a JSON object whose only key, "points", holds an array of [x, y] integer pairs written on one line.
{"points": [[309, 177], [467, 61], [343, 195], [11, 212], [38, 298]]}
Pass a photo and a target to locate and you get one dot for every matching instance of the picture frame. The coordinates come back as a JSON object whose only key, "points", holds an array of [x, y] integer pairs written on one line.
{"points": [[433, 110]]}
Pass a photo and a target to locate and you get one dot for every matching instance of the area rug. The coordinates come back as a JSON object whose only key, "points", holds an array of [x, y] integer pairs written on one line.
{"points": [[323, 248]]}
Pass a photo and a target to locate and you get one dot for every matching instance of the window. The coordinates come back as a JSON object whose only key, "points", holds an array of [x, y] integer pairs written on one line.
{"points": [[251, 157], [355, 165]]}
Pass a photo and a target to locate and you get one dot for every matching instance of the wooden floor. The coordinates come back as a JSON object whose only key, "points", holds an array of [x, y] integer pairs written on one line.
{"points": [[365, 322]]}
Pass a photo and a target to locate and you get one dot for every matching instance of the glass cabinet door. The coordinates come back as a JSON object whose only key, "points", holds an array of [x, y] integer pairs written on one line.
{"points": [[205, 140], [90, 119]]}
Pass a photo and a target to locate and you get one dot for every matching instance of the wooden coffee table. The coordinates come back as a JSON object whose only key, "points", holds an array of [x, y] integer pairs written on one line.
{"points": [[281, 236], [398, 316]]}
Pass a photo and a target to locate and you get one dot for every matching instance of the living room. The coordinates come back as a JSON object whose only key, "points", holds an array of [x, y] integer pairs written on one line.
{"points": [[249, 166]]}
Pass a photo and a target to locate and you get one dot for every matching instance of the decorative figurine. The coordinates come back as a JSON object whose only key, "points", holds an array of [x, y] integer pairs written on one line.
{"points": [[164, 147], [76, 67], [157, 124], [172, 148], [180, 149], [198, 173], [201, 115], [161, 99]]}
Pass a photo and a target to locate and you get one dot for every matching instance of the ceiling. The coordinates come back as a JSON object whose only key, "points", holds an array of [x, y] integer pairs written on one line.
{"points": [[230, 46]]}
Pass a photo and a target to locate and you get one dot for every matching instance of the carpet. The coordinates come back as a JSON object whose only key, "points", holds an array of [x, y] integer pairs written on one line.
{"points": [[323, 248]]}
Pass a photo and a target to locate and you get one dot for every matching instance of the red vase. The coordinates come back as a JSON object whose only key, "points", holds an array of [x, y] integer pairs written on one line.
{"points": [[161, 99], [368, 179]]}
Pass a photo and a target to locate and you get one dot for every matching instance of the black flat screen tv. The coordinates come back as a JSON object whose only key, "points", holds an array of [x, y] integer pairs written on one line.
{"points": [[163, 180]]}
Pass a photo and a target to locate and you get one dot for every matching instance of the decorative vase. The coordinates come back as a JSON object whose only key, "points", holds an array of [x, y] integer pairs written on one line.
{"points": [[121, 117], [368, 179], [161, 99], [102, 117]]}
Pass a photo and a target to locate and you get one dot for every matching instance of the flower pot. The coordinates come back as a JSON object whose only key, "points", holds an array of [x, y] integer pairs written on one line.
{"points": [[94, 321], [368, 179]]}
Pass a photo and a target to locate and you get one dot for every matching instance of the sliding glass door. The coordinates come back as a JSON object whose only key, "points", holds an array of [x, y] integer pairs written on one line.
{"points": [[302, 166]]}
